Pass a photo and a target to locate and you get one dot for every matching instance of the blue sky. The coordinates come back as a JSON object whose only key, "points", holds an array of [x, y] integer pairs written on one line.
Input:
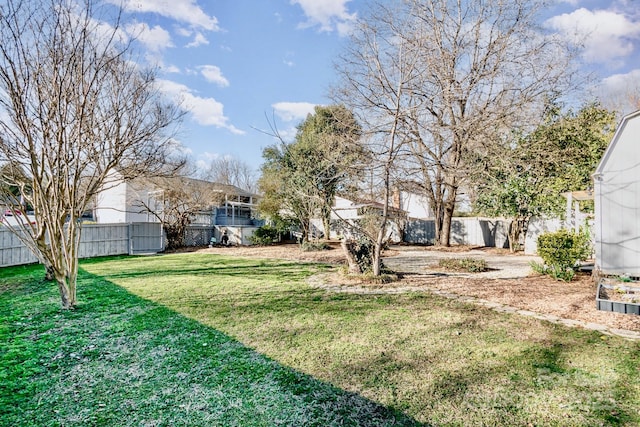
{"points": [[237, 64]]}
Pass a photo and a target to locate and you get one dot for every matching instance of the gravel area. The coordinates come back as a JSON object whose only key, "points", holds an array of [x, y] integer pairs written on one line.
{"points": [[502, 265]]}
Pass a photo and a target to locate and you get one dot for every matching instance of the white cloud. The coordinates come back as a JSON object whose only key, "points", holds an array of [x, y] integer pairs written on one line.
{"points": [[213, 74], [606, 35], [621, 91], [186, 11], [288, 59], [169, 68], [184, 32], [621, 82], [289, 111], [205, 111], [198, 40], [330, 15], [155, 39]]}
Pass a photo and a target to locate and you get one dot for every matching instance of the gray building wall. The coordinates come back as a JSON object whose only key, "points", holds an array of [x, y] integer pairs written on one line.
{"points": [[617, 202]]}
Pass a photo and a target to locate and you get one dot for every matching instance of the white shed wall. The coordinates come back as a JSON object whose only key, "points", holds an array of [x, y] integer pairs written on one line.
{"points": [[617, 202]]}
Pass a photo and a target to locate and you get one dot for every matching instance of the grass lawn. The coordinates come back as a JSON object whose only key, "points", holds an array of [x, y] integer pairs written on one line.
{"points": [[199, 339]]}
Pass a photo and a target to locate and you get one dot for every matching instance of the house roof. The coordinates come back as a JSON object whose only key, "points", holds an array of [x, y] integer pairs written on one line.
{"points": [[368, 204], [614, 141], [227, 189]]}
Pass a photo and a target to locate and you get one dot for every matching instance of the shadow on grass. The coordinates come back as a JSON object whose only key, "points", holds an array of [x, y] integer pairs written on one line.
{"points": [[207, 264], [123, 360]]}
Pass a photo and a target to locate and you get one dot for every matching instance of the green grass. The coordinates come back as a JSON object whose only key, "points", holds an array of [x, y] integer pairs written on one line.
{"points": [[198, 339]]}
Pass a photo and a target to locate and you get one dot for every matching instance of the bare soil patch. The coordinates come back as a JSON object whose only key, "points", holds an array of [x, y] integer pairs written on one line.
{"points": [[541, 294]]}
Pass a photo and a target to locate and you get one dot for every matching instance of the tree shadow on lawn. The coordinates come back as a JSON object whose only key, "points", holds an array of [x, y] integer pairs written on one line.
{"points": [[122, 360], [207, 264]]}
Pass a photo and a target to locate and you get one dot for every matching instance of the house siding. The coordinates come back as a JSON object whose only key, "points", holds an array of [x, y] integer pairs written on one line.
{"points": [[617, 202]]}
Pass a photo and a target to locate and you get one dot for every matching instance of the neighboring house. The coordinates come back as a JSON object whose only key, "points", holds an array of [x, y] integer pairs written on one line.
{"points": [[229, 209], [617, 202], [417, 205], [16, 218], [347, 210]]}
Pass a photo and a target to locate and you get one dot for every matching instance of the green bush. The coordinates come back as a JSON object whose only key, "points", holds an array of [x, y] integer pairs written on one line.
{"points": [[265, 235], [561, 250], [472, 265]]}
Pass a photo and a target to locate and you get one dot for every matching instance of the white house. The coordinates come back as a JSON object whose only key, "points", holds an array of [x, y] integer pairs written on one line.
{"points": [[231, 211], [617, 202], [345, 210]]}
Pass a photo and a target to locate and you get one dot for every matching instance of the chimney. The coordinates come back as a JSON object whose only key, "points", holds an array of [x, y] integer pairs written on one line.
{"points": [[396, 199]]}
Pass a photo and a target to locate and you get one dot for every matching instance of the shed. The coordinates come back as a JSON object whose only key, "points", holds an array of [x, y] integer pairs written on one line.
{"points": [[617, 202]]}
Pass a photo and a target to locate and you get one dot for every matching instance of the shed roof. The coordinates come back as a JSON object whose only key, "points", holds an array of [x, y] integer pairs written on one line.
{"points": [[614, 141]]}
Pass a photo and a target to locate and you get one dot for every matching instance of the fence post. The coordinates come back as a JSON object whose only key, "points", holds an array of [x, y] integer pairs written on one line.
{"points": [[130, 236]]}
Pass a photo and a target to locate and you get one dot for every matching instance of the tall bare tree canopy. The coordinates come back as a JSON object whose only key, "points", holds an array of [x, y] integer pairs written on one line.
{"points": [[231, 171], [459, 74], [73, 105]]}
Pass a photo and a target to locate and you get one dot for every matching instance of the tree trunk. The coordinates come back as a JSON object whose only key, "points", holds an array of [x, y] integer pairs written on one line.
{"points": [[514, 235], [67, 287], [175, 236], [327, 226], [49, 273], [445, 231], [376, 259], [376, 255], [517, 228], [349, 253]]}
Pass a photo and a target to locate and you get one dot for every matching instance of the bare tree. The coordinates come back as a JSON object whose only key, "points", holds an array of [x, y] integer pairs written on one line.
{"points": [[623, 100], [484, 68], [175, 202], [376, 72], [73, 106], [231, 171]]}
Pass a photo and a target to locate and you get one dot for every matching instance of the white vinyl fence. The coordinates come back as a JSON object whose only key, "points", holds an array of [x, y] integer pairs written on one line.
{"points": [[96, 240], [464, 231], [477, 231], [123, 239]]}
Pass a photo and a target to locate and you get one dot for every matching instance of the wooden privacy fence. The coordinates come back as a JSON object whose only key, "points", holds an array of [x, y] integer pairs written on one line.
{"points": [[96, 240]]}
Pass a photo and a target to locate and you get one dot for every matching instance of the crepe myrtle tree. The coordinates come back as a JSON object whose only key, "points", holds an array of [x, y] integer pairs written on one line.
{"points": [[73, 106], [175, 202], [376, 72]]}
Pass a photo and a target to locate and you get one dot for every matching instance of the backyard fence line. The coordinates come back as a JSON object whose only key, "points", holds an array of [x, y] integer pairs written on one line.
{"points": [[98, 240], [95, 240], [473, 231], [479, 231], [137, 238]]}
